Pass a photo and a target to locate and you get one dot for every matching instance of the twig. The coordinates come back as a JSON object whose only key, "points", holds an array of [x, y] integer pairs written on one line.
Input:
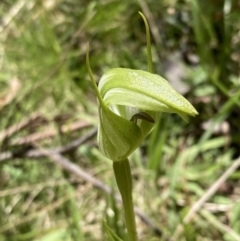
{"points": [[209, 193], [61, 149], [19, 126], [50, 133], [73, 168]]}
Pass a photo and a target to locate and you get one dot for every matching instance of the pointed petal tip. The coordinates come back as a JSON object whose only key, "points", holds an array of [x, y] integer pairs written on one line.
{"points": [[195, 113]]}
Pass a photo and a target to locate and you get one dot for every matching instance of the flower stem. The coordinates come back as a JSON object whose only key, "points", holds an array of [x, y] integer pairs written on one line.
{"points": [[124, 181], [148, 38]]}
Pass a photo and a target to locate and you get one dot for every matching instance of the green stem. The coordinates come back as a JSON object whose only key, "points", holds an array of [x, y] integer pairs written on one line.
{"points": [[124, 181], [92, 78], [149, 49]]}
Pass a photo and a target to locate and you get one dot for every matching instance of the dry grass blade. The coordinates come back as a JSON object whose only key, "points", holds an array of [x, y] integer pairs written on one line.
{"points": [[19, 126], [11, 92], [50, 133], [11, 14], [61, 149], [209, 193], [27, 188]]}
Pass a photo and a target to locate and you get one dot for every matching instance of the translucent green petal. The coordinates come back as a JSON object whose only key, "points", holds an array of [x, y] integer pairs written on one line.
{"points": [[117, 137], [142, 90]]}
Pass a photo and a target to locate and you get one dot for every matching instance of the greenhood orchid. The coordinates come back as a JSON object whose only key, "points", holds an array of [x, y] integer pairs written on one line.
{"points": [[130, 102]]}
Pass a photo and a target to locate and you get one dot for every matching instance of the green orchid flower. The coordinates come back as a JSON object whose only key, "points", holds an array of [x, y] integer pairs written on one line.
{"points": [[130, 102]]}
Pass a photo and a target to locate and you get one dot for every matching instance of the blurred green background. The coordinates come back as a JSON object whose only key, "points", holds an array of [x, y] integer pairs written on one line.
{"points": [[47, 101]]}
